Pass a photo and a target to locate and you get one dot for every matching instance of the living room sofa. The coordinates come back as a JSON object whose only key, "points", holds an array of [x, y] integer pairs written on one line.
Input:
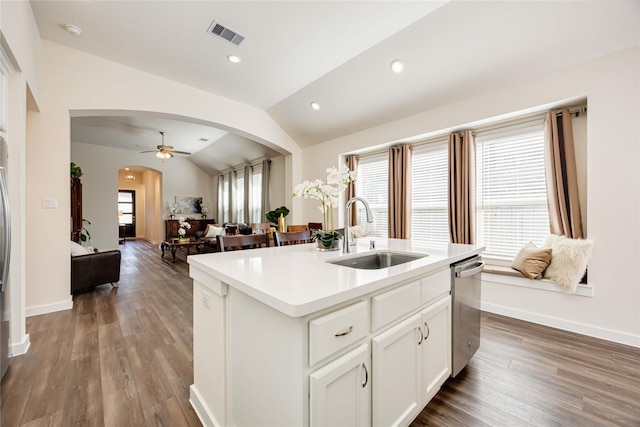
{"points": [[93, 269]]}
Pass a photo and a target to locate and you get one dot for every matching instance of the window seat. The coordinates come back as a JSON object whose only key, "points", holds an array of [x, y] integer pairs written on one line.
{"points": [[505, 275]]}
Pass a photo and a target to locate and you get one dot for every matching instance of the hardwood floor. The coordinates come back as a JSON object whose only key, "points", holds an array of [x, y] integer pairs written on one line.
{"points": [[530, 375], [123, 357]]}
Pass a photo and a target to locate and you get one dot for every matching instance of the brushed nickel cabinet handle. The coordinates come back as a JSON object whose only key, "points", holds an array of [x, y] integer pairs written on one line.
{"points": [[421, 336], [428, 331], [344, 332]]}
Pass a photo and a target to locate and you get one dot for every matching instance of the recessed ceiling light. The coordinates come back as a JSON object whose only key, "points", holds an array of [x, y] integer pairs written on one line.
{"points": [[73, 29], [315, 105], [233, 58], [397, 66]]}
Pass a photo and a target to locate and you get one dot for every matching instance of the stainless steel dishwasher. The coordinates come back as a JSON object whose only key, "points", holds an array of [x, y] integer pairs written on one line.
{"points": [[465, 318]]}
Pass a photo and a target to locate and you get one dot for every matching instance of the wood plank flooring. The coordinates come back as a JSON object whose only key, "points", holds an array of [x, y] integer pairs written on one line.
{"points": [[123, 357]]}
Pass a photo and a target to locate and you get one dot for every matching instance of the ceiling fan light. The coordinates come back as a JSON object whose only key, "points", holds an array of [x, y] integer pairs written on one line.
{"points": [[160, 155]]}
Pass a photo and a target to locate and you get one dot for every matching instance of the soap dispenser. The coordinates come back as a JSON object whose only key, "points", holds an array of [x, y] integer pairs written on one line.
{"points": [[281, 226]]}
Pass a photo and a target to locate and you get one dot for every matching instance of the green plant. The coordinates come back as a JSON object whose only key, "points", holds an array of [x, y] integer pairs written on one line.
{"points": [[272, 216], [76, 171], [82, 234]]}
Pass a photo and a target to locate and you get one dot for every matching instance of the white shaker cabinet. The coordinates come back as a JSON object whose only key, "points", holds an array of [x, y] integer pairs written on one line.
{"points": [[396, 371], [436, 347], [340, 393]]}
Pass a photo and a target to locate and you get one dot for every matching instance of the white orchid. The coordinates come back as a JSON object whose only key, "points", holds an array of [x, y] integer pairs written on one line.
{"points": [[328, 192]]}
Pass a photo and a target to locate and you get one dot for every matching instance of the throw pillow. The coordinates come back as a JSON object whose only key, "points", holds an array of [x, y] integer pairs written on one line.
{"points": [[213, 231], [569, 261], [531, 261], [77, 249]]}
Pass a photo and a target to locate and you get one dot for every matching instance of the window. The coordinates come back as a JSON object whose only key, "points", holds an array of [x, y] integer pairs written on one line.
{"points": [[511, 189], [238, 199], [256, 193], [223, 198], [372, 184], [429, 199]]}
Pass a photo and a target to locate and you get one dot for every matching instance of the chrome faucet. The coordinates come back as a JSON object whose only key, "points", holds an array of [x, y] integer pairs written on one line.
{"points": [[345, 240]]}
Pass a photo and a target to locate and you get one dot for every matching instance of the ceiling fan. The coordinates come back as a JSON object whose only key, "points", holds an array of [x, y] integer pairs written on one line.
{"points": [[165, 151]]}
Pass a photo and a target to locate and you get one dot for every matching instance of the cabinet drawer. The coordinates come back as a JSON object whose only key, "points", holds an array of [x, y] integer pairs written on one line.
{"points": [[332, 332], [435, 285], [394, 304]]}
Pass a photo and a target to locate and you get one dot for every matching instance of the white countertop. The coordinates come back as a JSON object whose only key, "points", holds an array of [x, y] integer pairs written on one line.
{"points": [[296, 280]]}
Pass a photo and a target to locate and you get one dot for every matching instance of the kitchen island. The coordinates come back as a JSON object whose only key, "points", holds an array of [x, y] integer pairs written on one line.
{"points": [[282, 336]]}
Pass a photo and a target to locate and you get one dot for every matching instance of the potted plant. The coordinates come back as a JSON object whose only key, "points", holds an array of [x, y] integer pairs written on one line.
{"points": [[272, 216], [328, 193], [76, 171], [82, 235]]}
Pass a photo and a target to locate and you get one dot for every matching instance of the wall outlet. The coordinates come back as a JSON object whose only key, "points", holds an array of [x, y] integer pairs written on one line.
{"points": [[206, 299]]}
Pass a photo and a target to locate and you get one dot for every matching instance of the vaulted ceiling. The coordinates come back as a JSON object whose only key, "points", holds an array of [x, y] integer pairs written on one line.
{"points": [[335, 53]]}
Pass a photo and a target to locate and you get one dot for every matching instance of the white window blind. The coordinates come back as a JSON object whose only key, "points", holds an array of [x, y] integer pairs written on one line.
{"points": [[429, 176], [256, 193], [223, 199], [372, 184], [511, 190], [238, 200]]}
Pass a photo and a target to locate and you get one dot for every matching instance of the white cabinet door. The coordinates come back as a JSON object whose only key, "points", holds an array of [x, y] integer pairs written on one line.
{"points": [[436, 347], [340, 392], [397, 373]]}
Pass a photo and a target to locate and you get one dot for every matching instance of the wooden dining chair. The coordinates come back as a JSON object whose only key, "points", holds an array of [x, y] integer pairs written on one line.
{"points": [[260, 227], [313, 226], [293, 238], [242, 241], [230, 230], [291, 228]]}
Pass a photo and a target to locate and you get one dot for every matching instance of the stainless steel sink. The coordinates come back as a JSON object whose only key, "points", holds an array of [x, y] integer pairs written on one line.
{"points": [[377, 260]]}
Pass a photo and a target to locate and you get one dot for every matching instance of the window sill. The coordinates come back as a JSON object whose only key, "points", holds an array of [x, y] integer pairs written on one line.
{"points": [[508, 276]]}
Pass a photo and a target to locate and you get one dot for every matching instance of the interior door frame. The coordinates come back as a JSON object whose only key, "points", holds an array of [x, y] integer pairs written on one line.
{"points": [[130, 229]]}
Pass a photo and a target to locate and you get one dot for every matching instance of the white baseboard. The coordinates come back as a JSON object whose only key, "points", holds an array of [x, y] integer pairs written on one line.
{"points": [[200, 407], [49, 308], [565, 325], [21, 347]]}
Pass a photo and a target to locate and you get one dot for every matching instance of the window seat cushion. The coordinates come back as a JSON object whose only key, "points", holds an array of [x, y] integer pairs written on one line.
{"points": [[505, 271]]}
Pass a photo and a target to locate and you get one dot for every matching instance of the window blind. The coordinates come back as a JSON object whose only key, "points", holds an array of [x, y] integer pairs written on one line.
{"points": [[429, 180], [239, 196], [373, 184], [256, 193], [511, 189]]}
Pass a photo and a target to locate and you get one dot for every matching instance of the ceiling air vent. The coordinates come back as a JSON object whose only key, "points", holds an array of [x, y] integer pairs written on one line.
{"points": [[219, 30]]}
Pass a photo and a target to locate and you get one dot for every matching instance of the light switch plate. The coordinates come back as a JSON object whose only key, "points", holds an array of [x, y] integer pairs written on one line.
{"points": [[50, 202]]}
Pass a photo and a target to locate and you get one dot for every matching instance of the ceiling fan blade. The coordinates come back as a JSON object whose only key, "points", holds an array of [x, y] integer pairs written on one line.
{"points": [[180, 152], [166, 148], [150, 151]]}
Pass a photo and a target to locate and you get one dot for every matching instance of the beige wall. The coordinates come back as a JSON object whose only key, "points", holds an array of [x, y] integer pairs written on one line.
{"points": [[611, 85], [75, 83]]}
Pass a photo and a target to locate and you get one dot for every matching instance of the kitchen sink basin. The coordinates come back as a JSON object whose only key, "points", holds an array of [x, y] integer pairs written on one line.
{"points": [[377, 260]]}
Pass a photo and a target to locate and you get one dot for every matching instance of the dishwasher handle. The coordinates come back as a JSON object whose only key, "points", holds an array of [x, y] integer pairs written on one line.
{"points": [[477, 268]]}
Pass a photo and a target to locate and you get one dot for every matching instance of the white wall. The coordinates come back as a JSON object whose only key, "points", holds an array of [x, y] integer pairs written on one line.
{"points": [[611, 85], [21, 41], [100, 165], [75, 83]]}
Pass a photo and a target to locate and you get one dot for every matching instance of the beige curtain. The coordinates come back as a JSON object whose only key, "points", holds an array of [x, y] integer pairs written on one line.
{"points": [[561, 176], [352, 164], [400, 192], [462, 187]]}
